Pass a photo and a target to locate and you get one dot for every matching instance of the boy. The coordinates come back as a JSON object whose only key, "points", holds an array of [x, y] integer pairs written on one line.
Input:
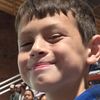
{"points": [[57, 42]]}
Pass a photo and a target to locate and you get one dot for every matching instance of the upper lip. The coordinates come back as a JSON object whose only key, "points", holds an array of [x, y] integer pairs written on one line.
{"points": [[39, 63]]}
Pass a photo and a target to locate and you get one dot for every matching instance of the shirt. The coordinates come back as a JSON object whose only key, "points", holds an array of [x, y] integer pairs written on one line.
{"points": [[92, 93]]}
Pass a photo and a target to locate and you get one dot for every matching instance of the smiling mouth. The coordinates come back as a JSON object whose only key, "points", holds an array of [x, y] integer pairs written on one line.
{"points": [[41, 65]]}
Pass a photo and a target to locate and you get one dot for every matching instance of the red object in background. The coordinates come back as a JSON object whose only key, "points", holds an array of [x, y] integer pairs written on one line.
{"points": [[94, 73], [94, 77]]}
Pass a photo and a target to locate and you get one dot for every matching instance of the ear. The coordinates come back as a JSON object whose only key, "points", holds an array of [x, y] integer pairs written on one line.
{"points": [[94, 50]]}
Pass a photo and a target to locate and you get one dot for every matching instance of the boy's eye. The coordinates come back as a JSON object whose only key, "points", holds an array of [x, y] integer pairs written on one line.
{"points": [[55, 37], [26, 46]]}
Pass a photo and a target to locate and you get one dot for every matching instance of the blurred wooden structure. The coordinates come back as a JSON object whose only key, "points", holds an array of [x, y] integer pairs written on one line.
{"points": [[10, 6]]}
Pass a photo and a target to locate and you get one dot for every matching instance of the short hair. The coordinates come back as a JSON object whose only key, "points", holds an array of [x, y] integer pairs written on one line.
{"points": [[42, 96], [81, 11], [30, 91]]}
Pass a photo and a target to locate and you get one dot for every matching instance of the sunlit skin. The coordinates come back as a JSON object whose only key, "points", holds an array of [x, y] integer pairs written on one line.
{"points": [[52, 57]]}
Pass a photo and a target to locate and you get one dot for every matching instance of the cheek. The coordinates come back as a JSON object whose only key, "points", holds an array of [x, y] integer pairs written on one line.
{"points": [[69, 60], [22, 62]]}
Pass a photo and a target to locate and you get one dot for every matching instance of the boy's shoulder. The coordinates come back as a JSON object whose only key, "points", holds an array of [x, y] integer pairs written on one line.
{"points": [[92, 93]]}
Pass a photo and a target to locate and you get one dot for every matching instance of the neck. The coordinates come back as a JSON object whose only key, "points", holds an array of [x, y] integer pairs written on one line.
{"points": [[67, 92]]}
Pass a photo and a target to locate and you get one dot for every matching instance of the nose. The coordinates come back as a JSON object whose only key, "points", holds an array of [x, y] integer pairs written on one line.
{"points": [[39, 48]]}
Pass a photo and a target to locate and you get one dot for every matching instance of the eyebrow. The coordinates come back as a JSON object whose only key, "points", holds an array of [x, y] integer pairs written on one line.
{"points": [[46, 28], [49, 27]]}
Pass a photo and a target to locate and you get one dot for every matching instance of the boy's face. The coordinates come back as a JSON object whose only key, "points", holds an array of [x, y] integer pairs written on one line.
{"points": [[28, 95], [51, 53]]}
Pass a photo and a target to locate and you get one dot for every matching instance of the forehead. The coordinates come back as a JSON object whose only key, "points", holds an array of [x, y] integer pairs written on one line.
{"points": [[57, 19], [28, 92]]}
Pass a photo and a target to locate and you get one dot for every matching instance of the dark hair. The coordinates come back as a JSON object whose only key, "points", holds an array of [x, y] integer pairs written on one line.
{"points": [[41, 8], [41, 96], [23, 85], [30, 91]]}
